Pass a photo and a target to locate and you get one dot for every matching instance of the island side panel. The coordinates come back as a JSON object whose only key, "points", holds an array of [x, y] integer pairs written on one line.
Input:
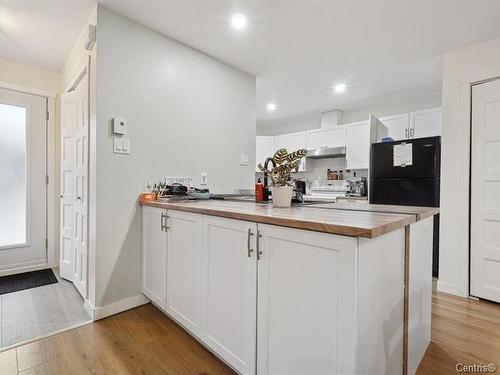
{"points": [[420, 292], [380, 304]]}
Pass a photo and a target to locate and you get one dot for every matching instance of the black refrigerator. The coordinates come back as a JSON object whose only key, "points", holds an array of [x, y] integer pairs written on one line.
{"points": [[409, 177]]}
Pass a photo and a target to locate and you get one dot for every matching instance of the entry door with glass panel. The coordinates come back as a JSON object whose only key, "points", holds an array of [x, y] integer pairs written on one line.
{"points": [[485, 191], [23, 185]]}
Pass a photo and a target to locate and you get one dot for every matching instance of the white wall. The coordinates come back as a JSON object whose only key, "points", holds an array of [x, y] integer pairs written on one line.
{"points": [[380, 107], [460, 68], [186, 113], [27, 76]]}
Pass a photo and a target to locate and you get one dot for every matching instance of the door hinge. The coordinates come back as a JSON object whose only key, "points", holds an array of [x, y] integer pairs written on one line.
{"points": [[46, 244], [48, 115], [46, 179]]}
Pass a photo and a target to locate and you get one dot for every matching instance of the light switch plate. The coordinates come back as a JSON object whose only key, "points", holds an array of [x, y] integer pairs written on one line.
{"points": [[121, 145]]}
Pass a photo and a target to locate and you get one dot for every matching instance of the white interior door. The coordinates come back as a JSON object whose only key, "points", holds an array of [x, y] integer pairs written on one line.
{"points": [[485, 188], [68, 120], [74, 189], [23, 186]]}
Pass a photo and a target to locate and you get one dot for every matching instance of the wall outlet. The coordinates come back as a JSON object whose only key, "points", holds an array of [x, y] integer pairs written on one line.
{"points": [[244, 160], [203, 178]]}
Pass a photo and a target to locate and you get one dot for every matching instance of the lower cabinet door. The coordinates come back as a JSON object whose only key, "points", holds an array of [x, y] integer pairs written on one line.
{"points": [[229, 307], [184, 268], [306, 302], [154, 255]]}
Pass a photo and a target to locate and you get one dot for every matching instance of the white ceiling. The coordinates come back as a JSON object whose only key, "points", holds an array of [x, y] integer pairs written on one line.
{"points": [[299, 49], [41, 33]]}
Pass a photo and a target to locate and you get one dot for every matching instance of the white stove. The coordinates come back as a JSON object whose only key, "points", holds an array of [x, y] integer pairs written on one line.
{"points": [[328, 191]]}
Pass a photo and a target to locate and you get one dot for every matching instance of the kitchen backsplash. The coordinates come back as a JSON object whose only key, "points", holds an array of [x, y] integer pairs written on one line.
{"points": [[317, 169]]}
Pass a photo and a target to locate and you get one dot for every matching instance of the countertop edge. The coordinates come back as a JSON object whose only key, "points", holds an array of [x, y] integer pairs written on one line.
{"points": [[342, 230]]}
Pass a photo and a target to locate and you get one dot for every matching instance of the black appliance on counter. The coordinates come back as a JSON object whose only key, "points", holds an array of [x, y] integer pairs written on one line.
{"points": [[415, 184]]}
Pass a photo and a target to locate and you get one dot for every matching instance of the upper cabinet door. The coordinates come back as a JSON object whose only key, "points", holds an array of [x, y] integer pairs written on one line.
{"points": [[230, 291], [358, 145], [296, 141], [332, 137], [396, 127], [306, 302], [291, 142], [184, 268], [425, 123], [263, 149], [280, 141], [154, 255]]}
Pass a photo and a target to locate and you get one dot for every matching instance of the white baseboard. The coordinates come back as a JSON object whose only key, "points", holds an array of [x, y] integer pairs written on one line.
{"points": [[21, 268], [102, 312], [449, 288]]}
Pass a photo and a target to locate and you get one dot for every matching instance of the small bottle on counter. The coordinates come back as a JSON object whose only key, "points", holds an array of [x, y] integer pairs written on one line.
{"points": [[335, 175], [341, 175], [259, 191]]}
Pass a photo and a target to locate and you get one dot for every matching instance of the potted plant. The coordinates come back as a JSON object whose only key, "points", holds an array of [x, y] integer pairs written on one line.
{"points": [[281, 179]]}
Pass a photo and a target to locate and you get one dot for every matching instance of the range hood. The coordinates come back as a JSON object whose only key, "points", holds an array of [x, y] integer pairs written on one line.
{"points": [[326, 152]]}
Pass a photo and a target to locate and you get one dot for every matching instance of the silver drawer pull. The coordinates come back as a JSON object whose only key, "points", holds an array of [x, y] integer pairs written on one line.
{"points": [[249, 246]]}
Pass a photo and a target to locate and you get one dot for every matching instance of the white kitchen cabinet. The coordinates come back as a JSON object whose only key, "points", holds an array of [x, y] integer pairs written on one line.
{"points": [[184, 268], [296, 141], [263, 149], [425, 123], [154, 254], [229, 306], [396, 127], [306, 302], [358, 145], [291, 142], [331, 137]]}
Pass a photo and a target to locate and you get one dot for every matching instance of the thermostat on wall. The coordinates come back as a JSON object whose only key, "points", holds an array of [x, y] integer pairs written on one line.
{"points": [[119, 126]]}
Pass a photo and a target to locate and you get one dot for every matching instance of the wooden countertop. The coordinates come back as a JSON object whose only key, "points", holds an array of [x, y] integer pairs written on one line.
{"points": [[346, 222], [419, 212]]}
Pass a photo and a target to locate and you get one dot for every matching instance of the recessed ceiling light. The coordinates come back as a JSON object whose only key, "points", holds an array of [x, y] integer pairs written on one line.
{"points": [[238, 21], [271, 107], [339, 88]]}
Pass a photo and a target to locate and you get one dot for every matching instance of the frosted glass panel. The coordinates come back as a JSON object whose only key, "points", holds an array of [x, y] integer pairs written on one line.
{"points": [[12, 175]]}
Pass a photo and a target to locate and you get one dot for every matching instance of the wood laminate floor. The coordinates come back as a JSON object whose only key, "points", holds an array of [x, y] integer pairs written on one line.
{"points": [[144, 341], [36, 312]]}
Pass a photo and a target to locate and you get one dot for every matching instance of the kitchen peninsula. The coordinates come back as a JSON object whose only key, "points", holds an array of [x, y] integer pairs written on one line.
{"points": [[303, 290]]}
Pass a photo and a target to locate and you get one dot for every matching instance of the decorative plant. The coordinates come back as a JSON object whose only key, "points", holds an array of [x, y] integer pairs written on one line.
{"points": [[285, 164]]}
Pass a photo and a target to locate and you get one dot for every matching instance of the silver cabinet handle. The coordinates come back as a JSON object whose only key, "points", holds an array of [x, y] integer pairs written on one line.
{"points": [[412, 132], [163, 223], [259, 252], [406, 133], [249, 246]]}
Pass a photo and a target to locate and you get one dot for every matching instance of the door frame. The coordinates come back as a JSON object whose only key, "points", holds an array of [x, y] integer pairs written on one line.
{"points": [[51, 227], [471, 142]]}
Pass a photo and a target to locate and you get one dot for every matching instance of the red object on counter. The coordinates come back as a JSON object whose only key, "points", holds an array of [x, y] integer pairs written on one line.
{"points": [[148, 197], [259, 191]]}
